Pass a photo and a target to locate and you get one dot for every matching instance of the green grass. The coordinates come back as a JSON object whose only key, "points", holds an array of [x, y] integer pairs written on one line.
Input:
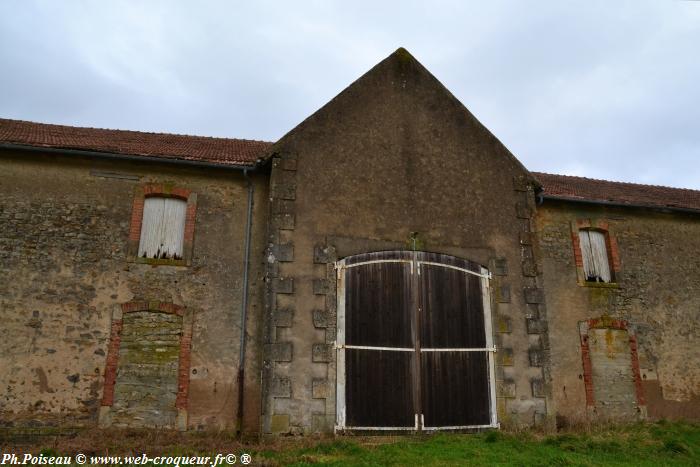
{"points": [[640, 445]]}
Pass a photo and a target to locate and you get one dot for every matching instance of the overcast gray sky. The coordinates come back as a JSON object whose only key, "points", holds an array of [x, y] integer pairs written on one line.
{"points": [[605, 89]]}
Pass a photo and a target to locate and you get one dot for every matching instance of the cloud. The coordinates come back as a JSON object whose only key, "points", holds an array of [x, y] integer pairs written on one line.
{"points": [[600, 89]]}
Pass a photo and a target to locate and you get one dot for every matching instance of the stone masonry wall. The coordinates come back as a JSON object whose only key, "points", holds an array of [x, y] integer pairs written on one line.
{"points": [[64, 231], [394, 163], [657, 291]]}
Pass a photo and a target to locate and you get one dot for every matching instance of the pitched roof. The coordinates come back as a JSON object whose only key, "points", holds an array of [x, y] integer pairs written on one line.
{"points": [[223, 151], [243, 152], [617, 193]]}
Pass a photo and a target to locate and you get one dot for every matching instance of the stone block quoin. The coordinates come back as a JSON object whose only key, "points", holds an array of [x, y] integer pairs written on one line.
{"points": [[533, 293], [282, 218]]}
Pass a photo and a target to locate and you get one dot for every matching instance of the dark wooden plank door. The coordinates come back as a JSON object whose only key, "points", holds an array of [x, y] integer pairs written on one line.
{"points": [[379, 335], [455, 390], [454, 362], [415, 345]]}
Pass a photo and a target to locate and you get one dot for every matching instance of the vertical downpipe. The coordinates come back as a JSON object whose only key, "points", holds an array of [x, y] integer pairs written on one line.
{"points": [[244, 305]]}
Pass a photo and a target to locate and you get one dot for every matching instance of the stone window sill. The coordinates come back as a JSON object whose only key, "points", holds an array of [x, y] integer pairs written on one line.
{"points": [[160, 262], [601, 285]]}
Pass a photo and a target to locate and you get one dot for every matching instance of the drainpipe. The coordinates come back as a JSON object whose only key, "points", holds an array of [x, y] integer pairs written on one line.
{"points": [[244, 303]]}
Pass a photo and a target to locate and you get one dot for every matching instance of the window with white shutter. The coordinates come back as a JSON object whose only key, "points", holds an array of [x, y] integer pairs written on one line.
{"points": [[594, 251], [163, 228]]}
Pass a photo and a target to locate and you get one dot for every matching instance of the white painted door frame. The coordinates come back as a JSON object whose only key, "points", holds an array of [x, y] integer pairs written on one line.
{"points": [[341, 347]]}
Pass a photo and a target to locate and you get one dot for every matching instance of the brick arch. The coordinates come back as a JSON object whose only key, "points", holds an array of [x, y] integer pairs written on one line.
{"points": [[157, 306], [184, 358], [166, 191]]}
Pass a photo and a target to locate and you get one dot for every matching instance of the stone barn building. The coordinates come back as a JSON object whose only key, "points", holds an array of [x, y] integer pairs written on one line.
{"points": [[386, 265]]}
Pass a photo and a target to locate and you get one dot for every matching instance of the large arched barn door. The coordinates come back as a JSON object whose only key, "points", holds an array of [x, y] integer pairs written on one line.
{"points": [[415, 348]]}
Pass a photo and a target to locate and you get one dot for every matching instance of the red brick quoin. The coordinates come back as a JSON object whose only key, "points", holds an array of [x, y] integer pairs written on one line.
{"points": [[608, 323], [162, 190], [110, 376], [115, 339]]}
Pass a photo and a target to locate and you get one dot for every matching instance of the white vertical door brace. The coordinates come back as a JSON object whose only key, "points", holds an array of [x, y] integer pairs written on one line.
{"points": [[340, 343], [488, 329]]}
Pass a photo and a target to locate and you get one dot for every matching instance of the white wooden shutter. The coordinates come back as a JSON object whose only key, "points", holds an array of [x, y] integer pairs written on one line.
{"points": [[600, 255], [595, 255], [163, 228]]}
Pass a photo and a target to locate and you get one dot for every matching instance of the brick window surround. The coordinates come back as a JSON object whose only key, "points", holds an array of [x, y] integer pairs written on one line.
{"points": [[167, 191], [184, 360], [610, 244], [609, 323]]}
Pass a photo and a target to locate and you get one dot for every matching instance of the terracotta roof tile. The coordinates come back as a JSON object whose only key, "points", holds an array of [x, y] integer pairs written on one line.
{"points": [[227, 151], [620, 193], [223, 151]]}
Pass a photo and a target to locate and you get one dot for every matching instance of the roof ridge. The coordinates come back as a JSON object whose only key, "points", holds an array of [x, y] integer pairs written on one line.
{"points": [[184, 135], [615, 181]]}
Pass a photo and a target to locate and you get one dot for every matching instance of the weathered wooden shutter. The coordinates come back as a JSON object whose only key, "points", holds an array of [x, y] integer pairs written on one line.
{"points": [[600, 255], [163, 228], [595, 255]]}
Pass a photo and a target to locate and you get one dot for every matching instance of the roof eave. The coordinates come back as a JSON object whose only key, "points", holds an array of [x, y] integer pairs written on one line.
{"points": [[158, 159], [621, 204]]}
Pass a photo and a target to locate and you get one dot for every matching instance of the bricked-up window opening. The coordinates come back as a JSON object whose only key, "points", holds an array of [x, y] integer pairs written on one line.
{"points": [[611, 373], [146, 378], [594, 251], [162, 228]]}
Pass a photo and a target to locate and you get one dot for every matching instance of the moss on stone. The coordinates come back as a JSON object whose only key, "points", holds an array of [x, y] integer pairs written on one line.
{"points": [[403, 55]]}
